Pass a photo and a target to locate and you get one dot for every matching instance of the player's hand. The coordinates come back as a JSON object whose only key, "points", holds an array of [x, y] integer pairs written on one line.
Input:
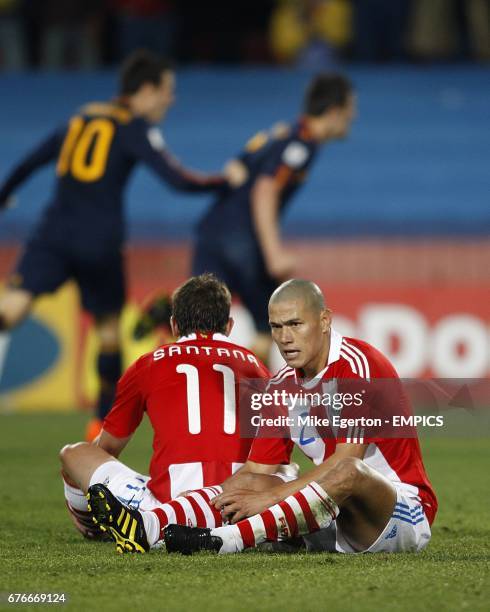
{"points": [[236, 173], [282, 266], [242, 503]]}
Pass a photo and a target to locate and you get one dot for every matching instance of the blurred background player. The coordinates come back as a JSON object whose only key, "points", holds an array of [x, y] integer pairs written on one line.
{"points": [[81, 233], [189, 390], [238, 239]]}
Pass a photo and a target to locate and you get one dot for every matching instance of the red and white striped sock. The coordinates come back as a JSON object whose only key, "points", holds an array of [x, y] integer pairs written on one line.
{"points": [[304, 512], [192, 509]]}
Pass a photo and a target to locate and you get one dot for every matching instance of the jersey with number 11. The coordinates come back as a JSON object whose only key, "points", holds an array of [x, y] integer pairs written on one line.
{"points": [[189, 391]]}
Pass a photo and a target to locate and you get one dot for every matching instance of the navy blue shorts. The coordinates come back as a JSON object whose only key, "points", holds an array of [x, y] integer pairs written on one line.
{"points": [[43, 267], [241, 266]]}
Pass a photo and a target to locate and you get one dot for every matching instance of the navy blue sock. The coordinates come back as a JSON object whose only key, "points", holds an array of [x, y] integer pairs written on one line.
{"points": [[109, 367]]}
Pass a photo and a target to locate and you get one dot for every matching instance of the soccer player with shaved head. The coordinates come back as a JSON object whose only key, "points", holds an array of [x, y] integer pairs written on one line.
{"points": [[375, 490]]}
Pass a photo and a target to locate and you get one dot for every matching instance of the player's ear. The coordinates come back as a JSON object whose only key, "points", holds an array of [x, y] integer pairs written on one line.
{"points": [[326, 320], [229, 326], [174, 327]]}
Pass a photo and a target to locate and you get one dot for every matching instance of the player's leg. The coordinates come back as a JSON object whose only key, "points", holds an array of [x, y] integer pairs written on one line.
{"points": [[366, 499], [84, 467], [109, 360], [194, 508], [15, 305], [360, 498], [363, 497], [115, 490], [79, 462], [255, 288], [102, 287], [41, 269], [147, 515]]}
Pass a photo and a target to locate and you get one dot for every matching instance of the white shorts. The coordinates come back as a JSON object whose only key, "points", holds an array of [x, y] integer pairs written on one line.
{"points": [[408, 529], [127, 485]]}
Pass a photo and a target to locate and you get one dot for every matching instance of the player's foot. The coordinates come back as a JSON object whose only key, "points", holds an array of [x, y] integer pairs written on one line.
{"points": [[123, 524], [188, 540], [94, 427], [84, 524], [157, 312]]}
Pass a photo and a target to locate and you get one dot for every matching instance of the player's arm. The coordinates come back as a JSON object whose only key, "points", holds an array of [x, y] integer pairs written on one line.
{"points": [[146, 144], [112, 445], [279, 169], [253, 467], [127, 410], [44, 153], [249, 476], [265, 196]]}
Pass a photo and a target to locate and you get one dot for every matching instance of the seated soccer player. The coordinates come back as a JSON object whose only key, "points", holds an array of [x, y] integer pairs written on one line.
{"points": [[188, 389], [375, 490]]}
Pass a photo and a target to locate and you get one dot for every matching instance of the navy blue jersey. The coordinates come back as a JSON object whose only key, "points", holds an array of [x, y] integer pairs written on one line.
{"points": [[95, 154], [284, 153]]}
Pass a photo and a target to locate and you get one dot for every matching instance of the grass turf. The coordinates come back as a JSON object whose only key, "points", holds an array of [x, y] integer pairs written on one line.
{"points": [[41, 552]]}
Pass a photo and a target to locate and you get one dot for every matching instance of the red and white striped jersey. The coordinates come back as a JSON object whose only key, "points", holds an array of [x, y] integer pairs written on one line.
{"points": [[399, 459], [189, 390]]}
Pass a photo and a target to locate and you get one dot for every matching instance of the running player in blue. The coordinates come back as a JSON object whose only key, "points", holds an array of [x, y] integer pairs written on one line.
{"points": [[82, 231], [238, 239]]}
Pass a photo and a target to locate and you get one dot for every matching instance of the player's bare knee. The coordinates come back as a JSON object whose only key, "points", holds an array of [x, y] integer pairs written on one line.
{"points": [[71, 453], [109, 335], [64, 454], [109, 344]]}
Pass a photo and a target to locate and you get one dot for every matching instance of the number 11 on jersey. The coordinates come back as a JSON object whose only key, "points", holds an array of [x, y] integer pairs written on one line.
{"points": [[193, 401]]}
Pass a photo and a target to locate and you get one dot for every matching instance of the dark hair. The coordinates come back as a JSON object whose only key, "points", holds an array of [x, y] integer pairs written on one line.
{"points": [[139, 68], [326, 91], [201, 304]]}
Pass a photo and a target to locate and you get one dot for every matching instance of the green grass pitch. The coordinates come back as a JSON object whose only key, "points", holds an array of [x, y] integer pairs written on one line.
{"points": [[41, 552]]}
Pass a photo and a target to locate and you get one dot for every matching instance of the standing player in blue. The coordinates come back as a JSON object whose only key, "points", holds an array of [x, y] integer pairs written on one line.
{"points": [[82, 231], [238, 239]]}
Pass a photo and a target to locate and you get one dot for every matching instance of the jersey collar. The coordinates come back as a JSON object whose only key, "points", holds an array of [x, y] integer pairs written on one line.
{"points": [[199, 336]]}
